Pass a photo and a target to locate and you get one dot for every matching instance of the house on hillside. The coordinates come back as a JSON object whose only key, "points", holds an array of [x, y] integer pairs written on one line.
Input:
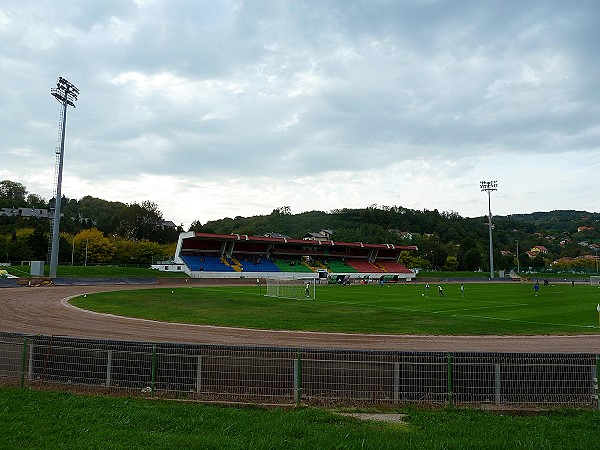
{"points": [[28, 212], [321, 235], [405, 234], [276, 235], [539, 249]]}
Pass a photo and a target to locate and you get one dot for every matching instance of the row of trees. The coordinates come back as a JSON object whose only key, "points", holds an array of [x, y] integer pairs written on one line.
{"points": [[89, 246], [133, 221], [92, 230], [446, 241]]}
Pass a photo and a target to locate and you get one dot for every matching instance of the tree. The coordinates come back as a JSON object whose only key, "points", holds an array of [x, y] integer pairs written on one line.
{"points": [[524, 260], [38, 243], [147, 252], [438, 258], [12, 194], [505, 262], [471, 260], [196, 226], [413, 262], [451, 263], [35, 201], [140, 221], [124, 250], [538, 262], [18, 249], [465, 246], [92, 247]]}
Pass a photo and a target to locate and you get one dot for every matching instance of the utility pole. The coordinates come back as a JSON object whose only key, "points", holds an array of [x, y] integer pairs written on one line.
{"points": [[518, 263], [66, 93]]}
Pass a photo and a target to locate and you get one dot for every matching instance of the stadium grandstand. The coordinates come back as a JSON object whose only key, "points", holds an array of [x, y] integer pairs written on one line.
{"points": [[206, 255]]}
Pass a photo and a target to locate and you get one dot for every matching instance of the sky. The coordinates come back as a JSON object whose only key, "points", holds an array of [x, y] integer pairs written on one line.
{"points": [[214, 109]]}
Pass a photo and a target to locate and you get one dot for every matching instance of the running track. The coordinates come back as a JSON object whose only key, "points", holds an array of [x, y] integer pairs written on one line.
{"points": [[45, 310]]}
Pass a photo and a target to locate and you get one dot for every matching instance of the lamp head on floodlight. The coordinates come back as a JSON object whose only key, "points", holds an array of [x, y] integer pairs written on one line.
{"points": [[488, 185], [65, 92]]}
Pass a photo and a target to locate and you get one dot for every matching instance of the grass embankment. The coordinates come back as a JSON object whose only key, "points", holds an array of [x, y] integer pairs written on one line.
{"points": [[37, 419], [486, 308], [98, 272]]}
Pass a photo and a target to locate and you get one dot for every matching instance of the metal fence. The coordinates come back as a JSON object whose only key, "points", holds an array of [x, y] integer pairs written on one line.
{"points": [[308, 376]]}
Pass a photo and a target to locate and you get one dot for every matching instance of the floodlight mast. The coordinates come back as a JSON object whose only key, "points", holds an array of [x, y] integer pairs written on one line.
{"points": [[66, 93], [489, 186]]}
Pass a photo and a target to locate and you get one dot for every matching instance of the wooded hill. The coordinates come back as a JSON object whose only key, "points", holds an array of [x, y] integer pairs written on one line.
{"points": [[445, 239]]}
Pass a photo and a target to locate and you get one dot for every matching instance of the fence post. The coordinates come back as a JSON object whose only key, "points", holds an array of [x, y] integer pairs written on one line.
{"points": [[153, 370], [497, 387], [30, 363], [449, 379], [396, 381], [199, 375], [108, 367], [298, 378], [597, 381], [24, 362]]}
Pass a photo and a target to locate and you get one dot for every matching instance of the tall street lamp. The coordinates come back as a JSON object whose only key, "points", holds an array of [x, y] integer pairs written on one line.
{"points": [[489, 186], [66, 93]]}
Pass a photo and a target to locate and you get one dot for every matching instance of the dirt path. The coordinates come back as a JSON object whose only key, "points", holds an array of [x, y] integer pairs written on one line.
{"points": [[44, 310]]}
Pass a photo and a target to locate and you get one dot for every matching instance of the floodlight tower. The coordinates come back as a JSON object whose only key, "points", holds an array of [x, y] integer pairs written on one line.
{"points": [[66, 93], [489, 186]]}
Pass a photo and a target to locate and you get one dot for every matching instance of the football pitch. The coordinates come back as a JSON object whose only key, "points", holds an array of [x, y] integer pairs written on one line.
{"points": [[485, 308]]}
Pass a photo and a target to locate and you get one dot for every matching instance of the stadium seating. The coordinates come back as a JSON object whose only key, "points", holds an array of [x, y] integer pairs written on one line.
{"points": [[394, 267], [260, 265], [364, 266], [339, 267], [205, 263], [292, 266], [199, 263]]}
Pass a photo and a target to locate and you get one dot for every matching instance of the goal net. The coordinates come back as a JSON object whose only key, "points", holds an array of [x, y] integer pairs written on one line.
{"points": [[294, 288], [595, 280]]}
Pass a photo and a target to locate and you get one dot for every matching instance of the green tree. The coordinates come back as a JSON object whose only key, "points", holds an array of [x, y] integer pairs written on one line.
{"points": [[92, 247], [464, 263], [196, 226], [140, 221], [35, 201], [148, 252], [38, 243], [451, 263], [12, 194], [439, 255], [125, 252], [471, 260]]}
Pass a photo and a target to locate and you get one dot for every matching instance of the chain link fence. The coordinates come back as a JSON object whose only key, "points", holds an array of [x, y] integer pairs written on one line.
{"points": [[307, 376]]}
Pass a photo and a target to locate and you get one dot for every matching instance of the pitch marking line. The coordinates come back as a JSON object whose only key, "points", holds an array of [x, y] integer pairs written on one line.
{"points": [[526, 321], [423, 311]]}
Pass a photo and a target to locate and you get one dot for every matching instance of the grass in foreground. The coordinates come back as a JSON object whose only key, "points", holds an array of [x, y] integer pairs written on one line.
{"points": [[486, 308], [36, 419]]}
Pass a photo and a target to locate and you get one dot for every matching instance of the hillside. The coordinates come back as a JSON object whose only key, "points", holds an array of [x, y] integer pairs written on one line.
{"points": [[445, 239]]}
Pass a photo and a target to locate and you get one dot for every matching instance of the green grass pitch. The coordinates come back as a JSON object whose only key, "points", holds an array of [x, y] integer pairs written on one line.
{"points": [[485, 308]]}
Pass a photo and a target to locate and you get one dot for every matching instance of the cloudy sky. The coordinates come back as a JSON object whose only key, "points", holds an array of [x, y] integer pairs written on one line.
{"points": [[215, 109]]}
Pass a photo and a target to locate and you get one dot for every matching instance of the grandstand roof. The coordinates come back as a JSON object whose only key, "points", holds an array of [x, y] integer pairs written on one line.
{"points": [[284, 240]]}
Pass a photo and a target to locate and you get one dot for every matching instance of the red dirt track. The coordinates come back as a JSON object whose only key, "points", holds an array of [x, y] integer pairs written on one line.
{"points": [[43, 310]]}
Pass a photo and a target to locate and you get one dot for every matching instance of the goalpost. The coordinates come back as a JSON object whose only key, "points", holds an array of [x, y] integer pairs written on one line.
{"points": [[293, 288], [595, 280]]}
